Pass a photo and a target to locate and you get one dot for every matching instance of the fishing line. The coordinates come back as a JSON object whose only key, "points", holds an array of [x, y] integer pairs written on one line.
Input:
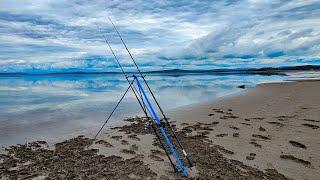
{"points": [[142, 106], [153, 96], [114, 109]]}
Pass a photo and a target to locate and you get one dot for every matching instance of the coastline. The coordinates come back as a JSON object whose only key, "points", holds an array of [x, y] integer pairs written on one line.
{"points": [[254, 127]]}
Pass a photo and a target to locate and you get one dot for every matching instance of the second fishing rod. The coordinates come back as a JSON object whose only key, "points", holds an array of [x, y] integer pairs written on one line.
{"points": [[140, 101], [153, 96]]}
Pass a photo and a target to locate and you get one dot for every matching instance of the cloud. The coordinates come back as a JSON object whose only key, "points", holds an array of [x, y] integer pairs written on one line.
{"points": [[285, 31], [67, 35]]}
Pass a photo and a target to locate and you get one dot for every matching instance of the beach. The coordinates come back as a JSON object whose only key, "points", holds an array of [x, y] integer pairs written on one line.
{"points": [[168, 90], [267, 132], [277, 122]]}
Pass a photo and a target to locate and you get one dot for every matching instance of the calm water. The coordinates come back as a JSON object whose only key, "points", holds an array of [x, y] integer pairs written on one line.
{"points": [[58, 107]]}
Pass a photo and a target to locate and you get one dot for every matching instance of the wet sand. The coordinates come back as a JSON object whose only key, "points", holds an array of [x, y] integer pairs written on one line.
{"points": [[268, 132]]}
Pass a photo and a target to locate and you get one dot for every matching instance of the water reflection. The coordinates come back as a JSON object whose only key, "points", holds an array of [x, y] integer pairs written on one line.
{"points": [[50, 107]]}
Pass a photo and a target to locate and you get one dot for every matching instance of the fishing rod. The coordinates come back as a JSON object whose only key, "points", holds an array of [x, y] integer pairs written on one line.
{"points": [[153, 96], [131, 85], [133, 88], [142, 104], [181, 168]]}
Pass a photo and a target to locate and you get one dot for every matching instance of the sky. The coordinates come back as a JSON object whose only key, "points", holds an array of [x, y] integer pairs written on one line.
{"points": [[68, 35]]}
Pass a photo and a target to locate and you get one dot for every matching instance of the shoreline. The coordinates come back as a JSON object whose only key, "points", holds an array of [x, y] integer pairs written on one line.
{"points": [[252, 129]]}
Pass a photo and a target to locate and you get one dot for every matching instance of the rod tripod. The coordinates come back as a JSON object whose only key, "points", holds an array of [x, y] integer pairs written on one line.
{"points": [[147, 106], [181, 168]]}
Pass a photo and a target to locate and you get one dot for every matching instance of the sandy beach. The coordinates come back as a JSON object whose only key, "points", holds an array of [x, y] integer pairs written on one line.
{"points": [[277, 122], [268, 132]]}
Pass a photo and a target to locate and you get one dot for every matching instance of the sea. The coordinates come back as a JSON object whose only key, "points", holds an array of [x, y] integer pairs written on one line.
{"points": [[61, 106]]}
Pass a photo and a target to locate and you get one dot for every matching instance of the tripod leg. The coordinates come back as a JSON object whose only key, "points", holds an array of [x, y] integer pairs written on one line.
{"points": [[163, 147], [114, 109]]}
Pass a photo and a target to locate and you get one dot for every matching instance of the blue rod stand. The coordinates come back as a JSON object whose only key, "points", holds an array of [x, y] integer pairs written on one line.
{"points": [[181, 168]]}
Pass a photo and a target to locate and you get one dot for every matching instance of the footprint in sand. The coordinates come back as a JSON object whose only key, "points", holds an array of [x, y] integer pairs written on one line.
{"points": [[105, 143], [221, 135], [203, 133], [128, 151], [260, 136], [276, 123], [247, 124], [235, 134], [255, 118], [116, 137], [114, 128], [297, 160], [297, 144], [218, 111], [223, 117], [311, 126], [229, 116], [210, 114], [208, 129], [134, 137], [214, 123], [255, 144], [262, 129], [156, 152], [224, 150], [251, 156], [233, 127], [155, 157], [311, 120], [285, 118], [124, 142], [233, 116]]}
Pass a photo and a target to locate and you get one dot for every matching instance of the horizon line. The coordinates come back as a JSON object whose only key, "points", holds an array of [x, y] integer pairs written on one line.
{"points": [[176, 70]]}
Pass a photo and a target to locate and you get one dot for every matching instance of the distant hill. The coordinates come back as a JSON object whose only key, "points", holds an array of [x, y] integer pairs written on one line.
{"points": [[177, 72], [264, 71]]}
